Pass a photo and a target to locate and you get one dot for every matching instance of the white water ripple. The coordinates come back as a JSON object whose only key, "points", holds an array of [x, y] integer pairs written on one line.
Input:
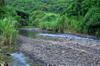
{"points": [[19, 59]]}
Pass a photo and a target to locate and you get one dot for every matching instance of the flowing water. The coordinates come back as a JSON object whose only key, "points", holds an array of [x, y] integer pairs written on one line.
{"points": [[37, 33], [20, 59]]}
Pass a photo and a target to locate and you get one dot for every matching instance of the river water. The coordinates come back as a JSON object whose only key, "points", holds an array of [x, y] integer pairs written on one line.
{"points": [[19, 57], [37, 33]]}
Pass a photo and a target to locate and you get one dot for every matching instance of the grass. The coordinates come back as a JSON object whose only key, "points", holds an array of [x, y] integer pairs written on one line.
{"points": [[8, 35], [56, 22], [8, 32]]}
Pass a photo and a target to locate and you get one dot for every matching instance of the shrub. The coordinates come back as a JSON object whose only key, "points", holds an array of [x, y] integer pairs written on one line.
{"points": [[73, 24], [92, 21], [8, 31], [62, 23], [35, 18], [49, 21]]}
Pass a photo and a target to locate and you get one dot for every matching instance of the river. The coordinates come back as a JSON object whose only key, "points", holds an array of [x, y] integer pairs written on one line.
{"points": [[45, 48]]}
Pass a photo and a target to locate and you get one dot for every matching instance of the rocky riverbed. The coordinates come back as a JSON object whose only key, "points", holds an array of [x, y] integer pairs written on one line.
{"points": [[61, 52]]}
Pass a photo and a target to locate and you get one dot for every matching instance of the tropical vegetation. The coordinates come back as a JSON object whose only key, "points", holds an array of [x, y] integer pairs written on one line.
{"points": [[63, 16], [78, 16]]}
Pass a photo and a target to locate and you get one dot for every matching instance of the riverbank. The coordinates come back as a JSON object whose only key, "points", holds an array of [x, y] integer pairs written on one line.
{"points": [[42, 48], [65, 52]]}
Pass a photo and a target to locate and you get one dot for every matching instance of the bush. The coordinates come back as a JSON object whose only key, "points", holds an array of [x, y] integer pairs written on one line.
{"points": [[62, 23], [92, 21], [8, 31], [35, 18], [49, 21], [73, 24]]}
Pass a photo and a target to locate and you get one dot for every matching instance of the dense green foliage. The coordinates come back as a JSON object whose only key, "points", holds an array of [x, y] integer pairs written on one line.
{"points": [[76, 16], [80, 16], [8, 35], [7, 24], [8, 30]]}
